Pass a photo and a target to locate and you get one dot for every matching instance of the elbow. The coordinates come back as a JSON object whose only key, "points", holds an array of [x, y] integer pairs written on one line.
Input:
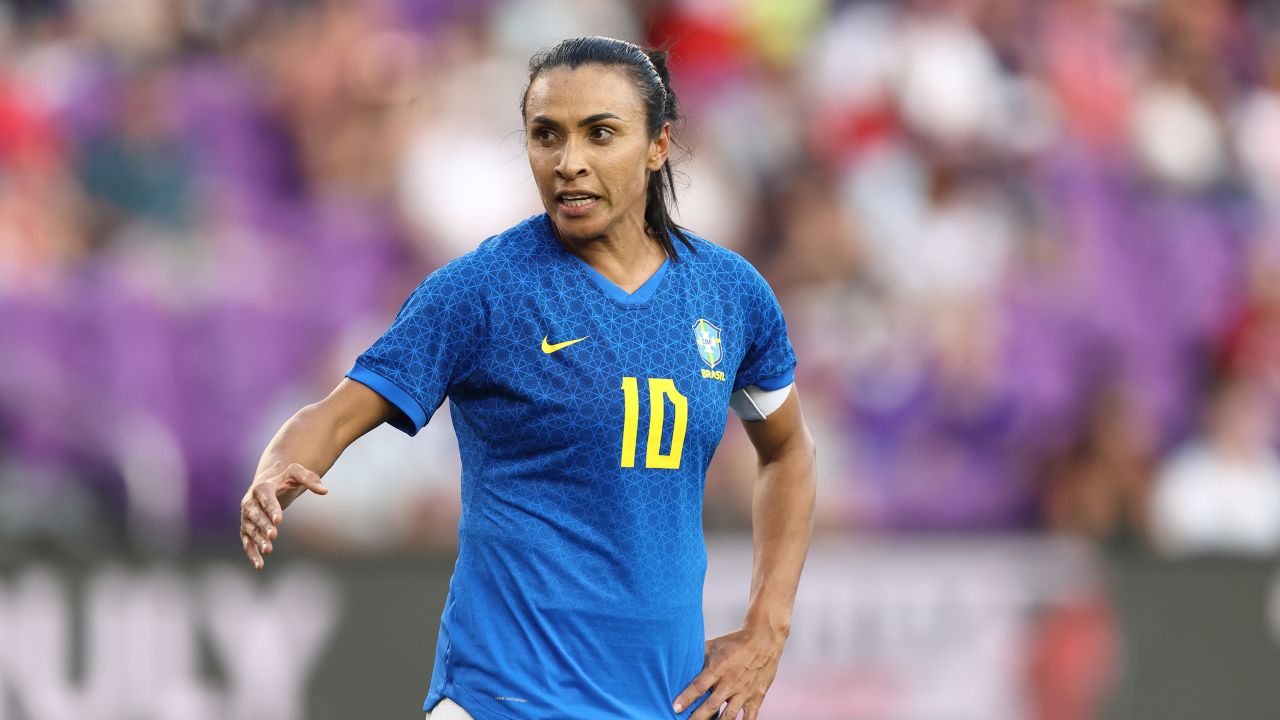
{"points": [[809, 456], [812, 457], [808, 450], [798, 460], [797, 453]]}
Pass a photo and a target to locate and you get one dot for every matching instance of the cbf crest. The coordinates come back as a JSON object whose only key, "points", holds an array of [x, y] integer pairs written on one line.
{"points": [[707, 337]]}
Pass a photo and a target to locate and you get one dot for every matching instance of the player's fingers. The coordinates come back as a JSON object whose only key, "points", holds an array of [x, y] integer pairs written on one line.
{"points": [[735, 706], [707, 710], [705, 680], [751, 710], [306, 478], [260, 541], [719, 694], [266, 497], [250, 502], [272, 511], [250, 550], [252, 512]]}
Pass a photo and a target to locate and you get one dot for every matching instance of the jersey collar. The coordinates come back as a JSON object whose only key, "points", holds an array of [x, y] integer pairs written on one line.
{"points": [[641, 294]]}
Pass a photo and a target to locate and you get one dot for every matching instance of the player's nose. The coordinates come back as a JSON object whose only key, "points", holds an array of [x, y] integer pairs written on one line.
{"points": [[572, 162]]}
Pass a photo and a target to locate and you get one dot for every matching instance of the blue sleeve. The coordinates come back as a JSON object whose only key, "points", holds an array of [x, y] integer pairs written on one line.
{"points": [[769, 362], [428, 348]]}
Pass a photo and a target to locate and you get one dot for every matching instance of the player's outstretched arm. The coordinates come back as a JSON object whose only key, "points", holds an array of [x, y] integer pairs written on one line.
{"points": [[740, 667], [304, 448]]}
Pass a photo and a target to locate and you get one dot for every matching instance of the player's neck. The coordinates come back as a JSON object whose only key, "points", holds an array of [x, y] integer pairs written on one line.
{"points": [[627, 259]]}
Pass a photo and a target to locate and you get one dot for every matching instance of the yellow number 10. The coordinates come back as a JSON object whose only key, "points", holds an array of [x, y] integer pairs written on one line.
{"points": [[660, 390]]}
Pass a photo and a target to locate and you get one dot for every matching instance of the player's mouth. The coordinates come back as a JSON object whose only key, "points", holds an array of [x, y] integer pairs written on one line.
{"points": [[576, 204]]}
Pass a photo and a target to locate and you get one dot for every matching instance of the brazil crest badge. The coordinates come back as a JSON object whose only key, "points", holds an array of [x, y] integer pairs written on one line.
{"points": [[707, 337]]}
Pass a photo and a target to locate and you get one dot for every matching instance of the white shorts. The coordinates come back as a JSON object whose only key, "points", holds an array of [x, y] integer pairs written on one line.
{"points": [[447, 709]]}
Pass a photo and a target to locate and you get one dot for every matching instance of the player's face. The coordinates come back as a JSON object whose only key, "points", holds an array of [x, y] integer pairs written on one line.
{"points": [[589, 151]]}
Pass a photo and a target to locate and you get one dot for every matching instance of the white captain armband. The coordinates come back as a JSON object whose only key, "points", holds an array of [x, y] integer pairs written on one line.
{"points": [[756, 403]]}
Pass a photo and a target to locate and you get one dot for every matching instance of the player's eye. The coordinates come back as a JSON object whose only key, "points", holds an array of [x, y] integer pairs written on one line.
{"points": [[600, 132], [543, 135]]}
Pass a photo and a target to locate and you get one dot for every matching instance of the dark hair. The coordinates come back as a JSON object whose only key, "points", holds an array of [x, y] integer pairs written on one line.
{"points": [[648, 69]]}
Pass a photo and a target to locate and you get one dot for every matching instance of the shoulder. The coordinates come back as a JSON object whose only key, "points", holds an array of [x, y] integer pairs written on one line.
{"points": [[498, 257], [723, 267], [528, 238]]}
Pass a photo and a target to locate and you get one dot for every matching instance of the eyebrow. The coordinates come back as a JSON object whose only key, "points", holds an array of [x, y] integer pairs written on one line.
{"points": [[589, 120]]}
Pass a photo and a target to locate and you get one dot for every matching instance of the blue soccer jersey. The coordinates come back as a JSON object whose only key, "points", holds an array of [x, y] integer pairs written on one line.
{"points": [[586, 419]]}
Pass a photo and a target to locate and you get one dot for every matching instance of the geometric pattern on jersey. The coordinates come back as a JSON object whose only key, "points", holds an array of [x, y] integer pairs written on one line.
{"points": [[577, 592]]}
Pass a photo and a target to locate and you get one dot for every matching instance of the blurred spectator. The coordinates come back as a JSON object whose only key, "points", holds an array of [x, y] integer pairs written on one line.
{"points": [[1221, 492], [1099, 490], [1251, 342]]}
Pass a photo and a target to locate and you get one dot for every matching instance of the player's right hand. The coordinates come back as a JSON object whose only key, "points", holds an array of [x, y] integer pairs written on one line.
{"points": [[262, 508]]}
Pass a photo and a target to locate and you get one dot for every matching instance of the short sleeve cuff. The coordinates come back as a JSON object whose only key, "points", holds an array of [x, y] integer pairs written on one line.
{"points": [[776, 382], [412, 417]]}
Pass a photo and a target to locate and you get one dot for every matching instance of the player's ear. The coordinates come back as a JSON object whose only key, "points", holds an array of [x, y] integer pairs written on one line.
{"points": [[659, 148]]}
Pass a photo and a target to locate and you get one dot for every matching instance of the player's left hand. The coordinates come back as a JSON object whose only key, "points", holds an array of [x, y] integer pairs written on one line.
{"points": [[738, 669]]}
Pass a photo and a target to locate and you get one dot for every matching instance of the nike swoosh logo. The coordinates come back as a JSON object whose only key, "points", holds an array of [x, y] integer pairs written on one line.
{"points": [[548, 348]]}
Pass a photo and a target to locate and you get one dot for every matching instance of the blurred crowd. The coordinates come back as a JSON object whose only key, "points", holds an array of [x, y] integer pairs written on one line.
{"points": [[1029, 251]]}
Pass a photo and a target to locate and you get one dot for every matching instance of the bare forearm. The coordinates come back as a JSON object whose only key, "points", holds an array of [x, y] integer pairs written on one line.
{"points": [[310, 438], [782, 523], [317, 434]]}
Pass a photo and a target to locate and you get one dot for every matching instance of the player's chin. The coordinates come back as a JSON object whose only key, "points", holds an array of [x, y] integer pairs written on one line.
{"points": [[573, 226]]}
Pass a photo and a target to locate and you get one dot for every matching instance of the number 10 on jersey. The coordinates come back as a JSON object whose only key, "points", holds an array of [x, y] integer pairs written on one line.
{"points": [[660, 391]]}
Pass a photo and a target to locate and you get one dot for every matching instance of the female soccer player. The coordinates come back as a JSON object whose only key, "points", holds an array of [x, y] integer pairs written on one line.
{"points": [[591, 354]]}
